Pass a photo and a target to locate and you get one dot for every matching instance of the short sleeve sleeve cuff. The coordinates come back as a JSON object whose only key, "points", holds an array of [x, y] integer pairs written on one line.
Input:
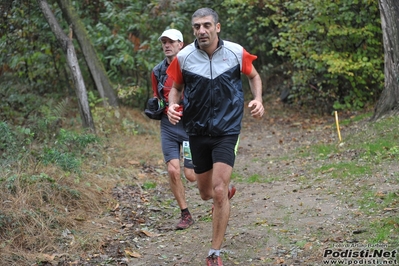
{"points": [[247, 62], [174, 71]]}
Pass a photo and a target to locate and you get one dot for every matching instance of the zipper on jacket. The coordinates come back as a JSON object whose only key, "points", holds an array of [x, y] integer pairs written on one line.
{"points": [[212, 89], [212, 99]]}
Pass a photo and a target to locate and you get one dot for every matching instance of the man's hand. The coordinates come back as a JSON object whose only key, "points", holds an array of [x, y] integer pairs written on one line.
{"points": [[173, 115], [257, 108]]}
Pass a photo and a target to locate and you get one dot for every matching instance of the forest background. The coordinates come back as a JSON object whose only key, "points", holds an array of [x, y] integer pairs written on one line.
{"points": [[327, 56]]}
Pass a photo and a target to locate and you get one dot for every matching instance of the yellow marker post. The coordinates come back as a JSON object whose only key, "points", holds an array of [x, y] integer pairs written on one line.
{"points": [[337, 123]]}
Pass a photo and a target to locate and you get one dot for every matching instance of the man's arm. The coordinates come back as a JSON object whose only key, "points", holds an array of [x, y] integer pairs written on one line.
{"points": [[255, 83], [154, 84], [175, 95]]}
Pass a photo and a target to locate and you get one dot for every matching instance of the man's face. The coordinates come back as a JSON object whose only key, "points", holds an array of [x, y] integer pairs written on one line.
{"points": [[170, 47], [206, 31]]}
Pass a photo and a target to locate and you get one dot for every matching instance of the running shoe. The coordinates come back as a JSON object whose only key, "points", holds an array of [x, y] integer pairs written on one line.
{"points": [[185, 222], [214, 260], [232, 191]]}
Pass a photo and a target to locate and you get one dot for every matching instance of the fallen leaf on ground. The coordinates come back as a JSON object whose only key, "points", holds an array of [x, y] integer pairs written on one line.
{"points": [[150, 234], [380, 194], [132, 254]]}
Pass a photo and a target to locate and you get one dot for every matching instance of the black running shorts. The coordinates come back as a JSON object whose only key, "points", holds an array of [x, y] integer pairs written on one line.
{"points": [[207, 150]]}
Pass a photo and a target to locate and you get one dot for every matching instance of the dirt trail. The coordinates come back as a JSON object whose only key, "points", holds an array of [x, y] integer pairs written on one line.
{"points": [[282, 213]]}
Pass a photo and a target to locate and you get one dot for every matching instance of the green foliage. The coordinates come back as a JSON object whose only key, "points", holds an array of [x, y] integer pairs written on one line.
{"points": [[17, 101], [46, 120], [118, 37], [14, 143], [7, 138], [31, 65], [258, 31], [132, 127], [102, 115], [123, 40], [67, 161], [149, 185], [335, 49], [130, 95], [66, 152], [43, 119], [327, 54], [28, 49], [331, 51], [126, 37], [75, 142]]}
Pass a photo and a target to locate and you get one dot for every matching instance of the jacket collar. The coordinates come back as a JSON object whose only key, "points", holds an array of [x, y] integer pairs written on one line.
{"points": [[220, 43]]}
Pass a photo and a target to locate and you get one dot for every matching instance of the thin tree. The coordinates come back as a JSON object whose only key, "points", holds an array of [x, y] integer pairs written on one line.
{"points": [[96, 68], [388, 103], [72, 61]]}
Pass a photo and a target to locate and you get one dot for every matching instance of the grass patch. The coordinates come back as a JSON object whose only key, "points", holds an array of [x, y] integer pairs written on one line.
{"points": [[354, 119], [385, 230], [254, 178], [149, 185], [379, 201], [345, 170], [205, 218], [381, 142], [359, 166], [322, 150]]}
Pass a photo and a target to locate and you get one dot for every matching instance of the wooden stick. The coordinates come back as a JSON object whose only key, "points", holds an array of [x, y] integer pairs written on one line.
{"points": [[337, 123]]}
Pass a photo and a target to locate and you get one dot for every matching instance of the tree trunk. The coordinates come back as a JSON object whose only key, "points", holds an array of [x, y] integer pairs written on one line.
{"points": [[388, 104], [96, 68], [69, 50]]}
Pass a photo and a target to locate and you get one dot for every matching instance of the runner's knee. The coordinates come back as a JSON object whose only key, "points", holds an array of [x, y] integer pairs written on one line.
{"points": [[173, 169]]}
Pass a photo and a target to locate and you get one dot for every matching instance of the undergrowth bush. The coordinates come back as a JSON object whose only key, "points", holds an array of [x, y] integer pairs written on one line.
{"points": [[54, 177], [37, 207], [14, 143], [67, 151], [40, 188]]}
